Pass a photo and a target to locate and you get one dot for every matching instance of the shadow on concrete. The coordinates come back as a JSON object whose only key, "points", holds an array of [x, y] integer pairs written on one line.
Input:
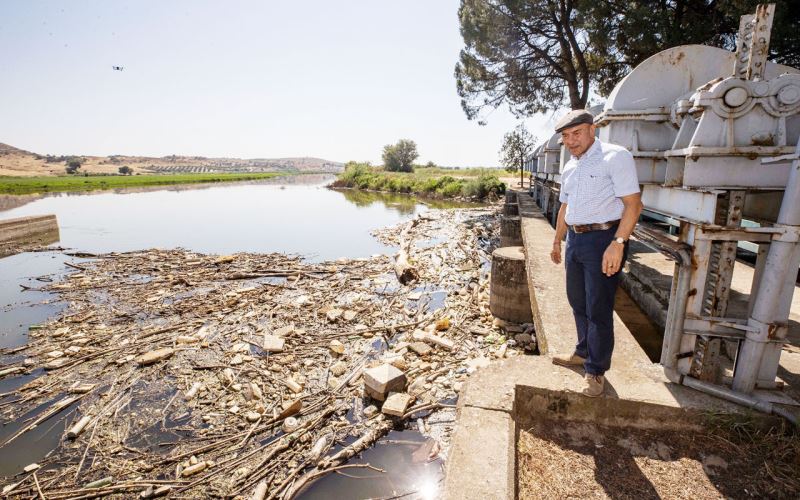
{"points": [[609, 391], [644, 331], [792, 380]]}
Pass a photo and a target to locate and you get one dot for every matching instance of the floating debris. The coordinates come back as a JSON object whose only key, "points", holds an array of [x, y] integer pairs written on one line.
{"points": [[194, 375]]}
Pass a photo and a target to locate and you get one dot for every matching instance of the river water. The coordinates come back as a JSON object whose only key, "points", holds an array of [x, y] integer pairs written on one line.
{"points": [[295, 215]]}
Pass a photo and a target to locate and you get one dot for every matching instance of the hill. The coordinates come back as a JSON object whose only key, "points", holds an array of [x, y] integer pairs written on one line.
{"points": [[18, 162]]}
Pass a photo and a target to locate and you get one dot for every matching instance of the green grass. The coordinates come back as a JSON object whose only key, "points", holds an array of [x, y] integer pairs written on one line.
{"points": [[423, 171], [29, 185], [423, 181]]}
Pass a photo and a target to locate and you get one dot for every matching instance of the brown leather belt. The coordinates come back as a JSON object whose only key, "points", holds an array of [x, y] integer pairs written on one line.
{"points": [[585, 228]]}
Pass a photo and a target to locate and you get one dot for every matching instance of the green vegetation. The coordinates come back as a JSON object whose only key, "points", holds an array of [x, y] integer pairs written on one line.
{"points": [[517, 146], [28, 185], [540, 55], [476, 184], [425, 171], [400, 157], [403, 203], [73, 164]]}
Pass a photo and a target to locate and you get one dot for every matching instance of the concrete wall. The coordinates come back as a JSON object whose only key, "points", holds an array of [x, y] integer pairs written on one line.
{"points": [[26, 232]]}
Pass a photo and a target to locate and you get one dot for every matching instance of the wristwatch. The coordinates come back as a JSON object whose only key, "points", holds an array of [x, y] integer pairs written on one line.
{"points": [[620, 240]]}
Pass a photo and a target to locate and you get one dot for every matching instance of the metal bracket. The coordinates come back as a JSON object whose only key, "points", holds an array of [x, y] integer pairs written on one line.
{"points": [[766, 333], [789, 234], [752, 44]]}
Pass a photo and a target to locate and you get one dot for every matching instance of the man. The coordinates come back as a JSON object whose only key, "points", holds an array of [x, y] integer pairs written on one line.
{"points": [[600, 204]]}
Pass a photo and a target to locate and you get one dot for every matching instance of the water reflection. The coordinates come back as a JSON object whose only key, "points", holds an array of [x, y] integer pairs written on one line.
{"points": [[403, 203], [408, 472], [305, 219], [20, 308], [10, 201]]}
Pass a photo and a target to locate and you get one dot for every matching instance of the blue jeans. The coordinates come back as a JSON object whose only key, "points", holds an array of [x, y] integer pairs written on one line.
{"points": [[591, 295]]}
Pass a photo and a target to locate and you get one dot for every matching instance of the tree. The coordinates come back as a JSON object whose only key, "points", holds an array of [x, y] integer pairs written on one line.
{"points": [[125, 170], [400, 157], [633, 31], [539, 55], [517, 146], [73, 164], [529, 55]]}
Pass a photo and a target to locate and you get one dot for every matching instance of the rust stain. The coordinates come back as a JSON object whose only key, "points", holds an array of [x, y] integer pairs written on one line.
{"points": [[763, 140], [677, 58], [772, 330]]}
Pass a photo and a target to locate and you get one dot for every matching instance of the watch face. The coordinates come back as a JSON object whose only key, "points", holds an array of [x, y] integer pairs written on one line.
{"points": [[620, 240]]}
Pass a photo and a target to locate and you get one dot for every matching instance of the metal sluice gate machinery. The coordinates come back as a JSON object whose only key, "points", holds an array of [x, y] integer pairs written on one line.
{"points": [[716, 139]]}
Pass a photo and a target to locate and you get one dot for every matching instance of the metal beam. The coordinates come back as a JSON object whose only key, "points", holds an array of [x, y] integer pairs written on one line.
{"points": [[685, 204]]}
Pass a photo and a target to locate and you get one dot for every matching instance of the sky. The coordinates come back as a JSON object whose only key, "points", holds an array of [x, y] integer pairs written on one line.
{"points": [[249, 79]]}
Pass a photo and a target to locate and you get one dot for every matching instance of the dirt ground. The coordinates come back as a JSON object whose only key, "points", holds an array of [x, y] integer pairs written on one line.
{"points": [[579, 460]]}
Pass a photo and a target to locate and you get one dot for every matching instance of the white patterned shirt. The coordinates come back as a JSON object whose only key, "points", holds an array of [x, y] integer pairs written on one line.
{"points": [[593, 185]]}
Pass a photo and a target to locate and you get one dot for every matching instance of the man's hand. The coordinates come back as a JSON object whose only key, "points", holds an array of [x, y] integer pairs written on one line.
{"points": [[555, 253], [612, 258]]}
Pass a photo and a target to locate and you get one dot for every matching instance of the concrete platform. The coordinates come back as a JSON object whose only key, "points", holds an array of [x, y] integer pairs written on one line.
{"points": [[500, 398], [26, 232]]}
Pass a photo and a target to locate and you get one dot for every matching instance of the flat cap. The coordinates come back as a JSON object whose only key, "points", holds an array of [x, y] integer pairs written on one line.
{"points": [[574, 117]]}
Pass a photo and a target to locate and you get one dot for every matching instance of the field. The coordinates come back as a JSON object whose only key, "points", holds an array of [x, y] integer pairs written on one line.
{"points": [[424, 172], [29, 185]]}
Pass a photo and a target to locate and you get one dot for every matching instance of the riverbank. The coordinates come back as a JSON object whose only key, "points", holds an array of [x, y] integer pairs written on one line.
{"points": [[32, 185], [477, 185]]}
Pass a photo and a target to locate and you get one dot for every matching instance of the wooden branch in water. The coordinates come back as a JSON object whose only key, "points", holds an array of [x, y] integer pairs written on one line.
{"points": [[284, 443], [74, 266], [358, 446], [56, 408], [423, 407]]}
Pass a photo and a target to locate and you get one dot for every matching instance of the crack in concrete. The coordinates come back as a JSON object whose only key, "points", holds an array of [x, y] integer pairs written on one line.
{"points": [[500, 410]]}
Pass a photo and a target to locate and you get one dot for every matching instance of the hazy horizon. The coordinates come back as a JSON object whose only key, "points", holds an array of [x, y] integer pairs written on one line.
{"points": [[241, 79]]}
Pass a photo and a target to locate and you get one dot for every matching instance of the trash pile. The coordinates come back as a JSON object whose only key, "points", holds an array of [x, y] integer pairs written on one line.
{"points": [[251, 375]]}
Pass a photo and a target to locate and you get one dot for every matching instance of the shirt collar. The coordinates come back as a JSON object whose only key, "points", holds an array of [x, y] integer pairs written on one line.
{"points": [[593, 150]]}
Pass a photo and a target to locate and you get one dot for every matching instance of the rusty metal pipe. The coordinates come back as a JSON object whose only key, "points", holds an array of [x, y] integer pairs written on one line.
{"points": [[681, 253], [676, 314], [730, 395]]}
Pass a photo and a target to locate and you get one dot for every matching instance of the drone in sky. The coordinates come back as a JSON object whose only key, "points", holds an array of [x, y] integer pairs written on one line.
{"points": [[117, 68]]}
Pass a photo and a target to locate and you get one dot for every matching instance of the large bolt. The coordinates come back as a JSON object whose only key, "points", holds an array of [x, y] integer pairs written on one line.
{"points": [[735, 97], [789, 94], [760, 88]]}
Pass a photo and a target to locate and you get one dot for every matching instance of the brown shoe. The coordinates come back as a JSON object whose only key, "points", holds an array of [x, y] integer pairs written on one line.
{"points": [[571, 360], [594, 385]]}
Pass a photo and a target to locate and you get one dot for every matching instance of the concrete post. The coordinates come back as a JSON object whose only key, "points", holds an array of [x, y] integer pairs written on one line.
{"points": [[509, 298]]}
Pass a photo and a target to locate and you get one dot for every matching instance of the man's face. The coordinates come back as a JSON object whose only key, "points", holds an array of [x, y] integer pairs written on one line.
{"points": [[577, 139]]}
